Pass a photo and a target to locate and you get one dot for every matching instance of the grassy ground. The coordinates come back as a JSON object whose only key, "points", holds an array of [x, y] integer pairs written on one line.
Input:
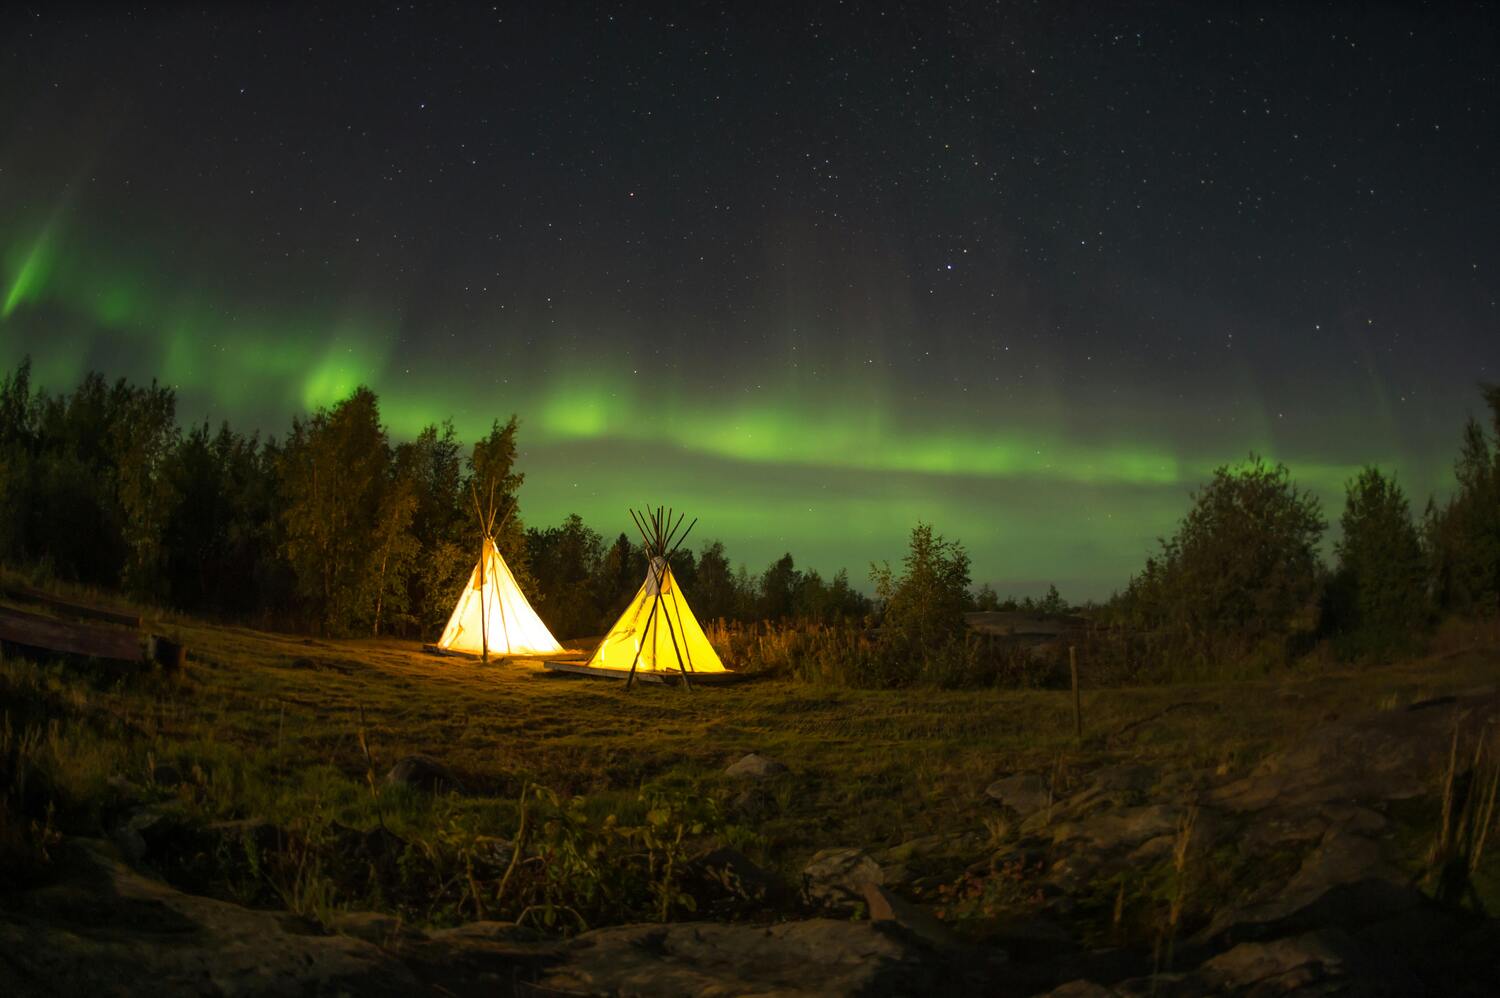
{"points": [[278, 727]]}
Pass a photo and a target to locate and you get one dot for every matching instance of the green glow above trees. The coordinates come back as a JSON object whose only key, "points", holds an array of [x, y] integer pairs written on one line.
{"points": [[835, 469]]}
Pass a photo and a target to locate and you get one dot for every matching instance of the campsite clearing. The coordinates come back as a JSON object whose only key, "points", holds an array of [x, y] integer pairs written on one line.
{"points": [[355, 781], [869, 769]]}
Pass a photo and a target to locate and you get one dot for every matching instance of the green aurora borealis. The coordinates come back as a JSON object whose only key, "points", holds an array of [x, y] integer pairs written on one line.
{"points": [[836, 479], [1028, 272]]}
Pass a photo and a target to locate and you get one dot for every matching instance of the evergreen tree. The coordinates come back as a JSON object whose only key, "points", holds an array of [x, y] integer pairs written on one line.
{"points": [[778, 589], [18, 447], [1377, 600], [715, 593], [986, 598], [565, 562], [1463, 535]]}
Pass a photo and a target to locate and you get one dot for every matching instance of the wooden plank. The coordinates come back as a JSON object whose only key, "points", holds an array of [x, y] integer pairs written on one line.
{"points": [[442, 652], [668, 678], [46, 634], [69, 607]]}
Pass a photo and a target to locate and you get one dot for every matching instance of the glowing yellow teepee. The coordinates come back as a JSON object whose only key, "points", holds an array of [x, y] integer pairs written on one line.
{"points": [[493, 616], [653, 631], [658, 632]]}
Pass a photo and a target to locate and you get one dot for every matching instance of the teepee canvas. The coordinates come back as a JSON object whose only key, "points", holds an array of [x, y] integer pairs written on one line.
{"points": [[658, 633], [493, 616]]}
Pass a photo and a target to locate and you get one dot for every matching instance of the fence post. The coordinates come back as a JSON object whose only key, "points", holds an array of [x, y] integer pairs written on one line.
{"points": [[1077, 699]]}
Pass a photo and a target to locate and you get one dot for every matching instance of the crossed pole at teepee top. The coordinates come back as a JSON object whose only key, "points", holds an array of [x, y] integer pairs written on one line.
{"points": [[486, 515], [659, 542]]}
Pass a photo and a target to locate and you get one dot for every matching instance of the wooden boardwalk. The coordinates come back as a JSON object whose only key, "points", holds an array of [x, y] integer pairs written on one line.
{"points": [[34, 632]]}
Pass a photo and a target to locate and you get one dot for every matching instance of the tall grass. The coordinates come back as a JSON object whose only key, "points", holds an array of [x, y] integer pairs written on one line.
{"points": [[57, 756], [1467, 818], [843, 654]]}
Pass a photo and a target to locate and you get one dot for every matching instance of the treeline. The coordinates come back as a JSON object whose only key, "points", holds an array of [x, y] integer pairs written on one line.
{"points": [[1241, 581], [337, 529], [332, 528], [1239, 588]]}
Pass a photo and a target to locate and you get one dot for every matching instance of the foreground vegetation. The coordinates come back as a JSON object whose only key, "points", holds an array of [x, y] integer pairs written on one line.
{"points": [[260, 772]]}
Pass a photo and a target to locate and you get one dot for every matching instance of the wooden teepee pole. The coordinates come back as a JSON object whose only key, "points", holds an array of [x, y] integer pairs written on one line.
{"points": [[650, 623], [484, 549], [484, 625], [666, 612]]}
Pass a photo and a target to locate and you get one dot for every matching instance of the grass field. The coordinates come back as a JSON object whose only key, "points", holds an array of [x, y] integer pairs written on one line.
{"points": [[300, 731]]}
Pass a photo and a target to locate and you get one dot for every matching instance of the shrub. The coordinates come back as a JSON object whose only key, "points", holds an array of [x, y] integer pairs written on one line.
{"points": [[1376, 603], [1463, 535], [1234, 579], [922, 625]]}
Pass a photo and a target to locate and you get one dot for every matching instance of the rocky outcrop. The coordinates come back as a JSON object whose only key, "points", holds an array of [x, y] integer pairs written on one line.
{"points": [[1344, 917], [106, 929], [755, 766], [815, 957], [834, 879], [1326, 901]]}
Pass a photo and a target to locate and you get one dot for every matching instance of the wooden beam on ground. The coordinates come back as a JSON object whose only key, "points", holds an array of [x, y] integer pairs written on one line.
{"points": [[69, 608], [46, 634], [666, 678]]}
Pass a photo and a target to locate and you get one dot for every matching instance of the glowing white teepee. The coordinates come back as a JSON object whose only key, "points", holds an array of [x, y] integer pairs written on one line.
{"points": [[493, 616]]}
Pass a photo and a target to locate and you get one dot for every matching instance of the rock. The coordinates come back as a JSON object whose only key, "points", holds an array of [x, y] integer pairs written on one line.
{"points": [[884, 906], [1340, 858], [1389, 755], [1024, 793], [1275, 829], [423, 773], [835, 878], [1080, 989], [755, 767], [815, 957], [1126, 777], [484, 929], [1153, 850], [1349, 906], [109, 930], [1123, 827], [1352, 818], [152, 830], [1295, 962], [373, 927]]}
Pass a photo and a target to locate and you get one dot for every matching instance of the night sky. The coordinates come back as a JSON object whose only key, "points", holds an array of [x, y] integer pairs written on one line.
{"points": [[1026, 271]]}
